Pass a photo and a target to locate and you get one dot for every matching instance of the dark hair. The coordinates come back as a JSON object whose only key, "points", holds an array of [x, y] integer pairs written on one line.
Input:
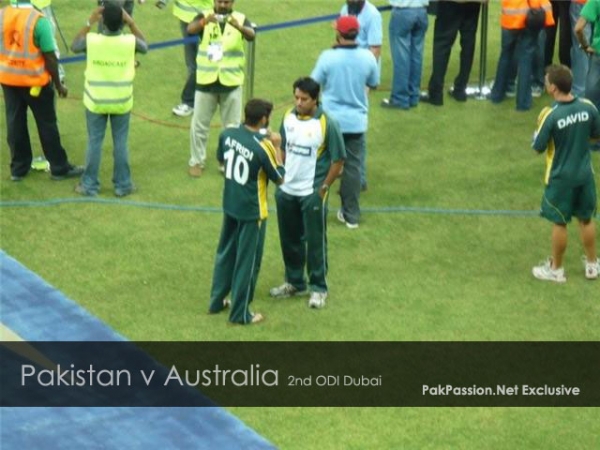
{"points": [[255, 110], [112, 15], [308, 85], [350, 35], [561, 77]]}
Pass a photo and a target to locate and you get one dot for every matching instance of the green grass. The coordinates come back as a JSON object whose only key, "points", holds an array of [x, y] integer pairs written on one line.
{"points": [[146, 270]]}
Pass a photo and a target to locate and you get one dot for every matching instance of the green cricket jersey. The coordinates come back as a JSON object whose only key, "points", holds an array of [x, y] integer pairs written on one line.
{"points": [[565, 131], [249, 160], [311, 144]]}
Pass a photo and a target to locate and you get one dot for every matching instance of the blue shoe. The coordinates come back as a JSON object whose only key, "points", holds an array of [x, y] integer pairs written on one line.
{"points": [[82, 191], [386, 103], [126, 192]]}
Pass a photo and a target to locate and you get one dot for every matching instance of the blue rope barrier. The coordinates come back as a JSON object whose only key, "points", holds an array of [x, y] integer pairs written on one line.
{"points": [[259, 29], [209, 209]]}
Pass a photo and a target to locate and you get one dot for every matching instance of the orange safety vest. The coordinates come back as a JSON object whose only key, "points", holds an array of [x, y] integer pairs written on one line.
{"points": [[579, 1], [514, 13], [21, 62]]}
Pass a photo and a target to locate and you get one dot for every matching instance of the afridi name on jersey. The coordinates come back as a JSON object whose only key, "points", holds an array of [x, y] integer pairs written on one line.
{"points": [[311, 144], [249, 160], [565, 131]]}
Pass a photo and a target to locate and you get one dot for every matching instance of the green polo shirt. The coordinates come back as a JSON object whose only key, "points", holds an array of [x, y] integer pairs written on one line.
{"points": [[565, 132], [591, 13]]}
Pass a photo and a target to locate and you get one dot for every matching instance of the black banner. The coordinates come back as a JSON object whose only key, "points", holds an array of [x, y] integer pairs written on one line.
{"points": [[300, 374]]}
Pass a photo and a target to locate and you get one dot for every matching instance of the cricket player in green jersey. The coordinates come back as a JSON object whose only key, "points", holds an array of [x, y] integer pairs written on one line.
{"points": [[314, 153], [251, 156], [564, 132]]}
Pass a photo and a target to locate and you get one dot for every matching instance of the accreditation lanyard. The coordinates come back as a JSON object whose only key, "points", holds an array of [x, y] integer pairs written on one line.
{"points": [[215, 43]]}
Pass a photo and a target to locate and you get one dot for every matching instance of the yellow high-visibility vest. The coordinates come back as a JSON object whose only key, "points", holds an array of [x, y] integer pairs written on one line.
{"points": [[230, 69], [41, 3], [186, 10], [109, 73]]}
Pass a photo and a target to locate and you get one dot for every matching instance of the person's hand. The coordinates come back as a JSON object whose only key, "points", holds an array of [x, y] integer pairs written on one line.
{"points": [[323, 191], [62, 90], [212, 17], [275, 138], [234, 23]]}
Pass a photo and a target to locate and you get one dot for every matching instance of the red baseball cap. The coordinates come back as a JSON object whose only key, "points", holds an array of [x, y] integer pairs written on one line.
{"points": [[347, 24]]}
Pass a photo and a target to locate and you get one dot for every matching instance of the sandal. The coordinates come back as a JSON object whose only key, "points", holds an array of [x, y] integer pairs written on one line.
{"points": [[256, 318]]}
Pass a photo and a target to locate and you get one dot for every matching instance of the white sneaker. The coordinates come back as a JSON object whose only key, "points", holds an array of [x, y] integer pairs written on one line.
{"points": [[341, 218], [285, 290], [317, 300], [183, 110], [591, 269], [537, 91], [545, 272]]}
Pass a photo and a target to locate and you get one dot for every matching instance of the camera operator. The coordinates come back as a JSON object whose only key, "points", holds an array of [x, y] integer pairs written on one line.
{"points": [[127, 5], [219, 75]]}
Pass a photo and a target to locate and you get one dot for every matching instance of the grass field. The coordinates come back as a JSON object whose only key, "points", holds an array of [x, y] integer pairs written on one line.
{"points": [[445, 271]]}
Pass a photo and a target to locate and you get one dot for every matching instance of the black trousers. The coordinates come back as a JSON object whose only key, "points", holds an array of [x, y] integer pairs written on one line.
{"points": [[16, 102], [562, 20], [451, 19]]}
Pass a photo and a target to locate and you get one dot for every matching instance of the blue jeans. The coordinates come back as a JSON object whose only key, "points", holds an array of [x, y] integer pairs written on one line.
{"points": [[519, 44], [592, 84], [96, 128], [538, 69], [407, 38], [579, 58]]}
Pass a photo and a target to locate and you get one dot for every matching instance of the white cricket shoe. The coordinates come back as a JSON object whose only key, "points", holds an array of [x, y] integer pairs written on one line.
{"points": [[342, 219], [545, 272], [183, 110], [591, 269], [285, 290], [317, 300]]}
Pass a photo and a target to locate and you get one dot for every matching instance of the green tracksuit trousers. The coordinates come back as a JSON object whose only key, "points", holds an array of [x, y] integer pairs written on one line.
{"points": [[236, 266], [303, 236]]}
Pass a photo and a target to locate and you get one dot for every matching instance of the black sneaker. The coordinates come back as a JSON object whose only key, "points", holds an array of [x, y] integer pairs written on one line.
{"points": [[17, 177], [426, 98], [459, 96], [74, 171]]}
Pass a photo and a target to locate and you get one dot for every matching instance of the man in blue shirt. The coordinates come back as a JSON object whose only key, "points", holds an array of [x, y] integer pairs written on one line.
{"points": [[370, 36], [344, 72], [370, 33]]}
